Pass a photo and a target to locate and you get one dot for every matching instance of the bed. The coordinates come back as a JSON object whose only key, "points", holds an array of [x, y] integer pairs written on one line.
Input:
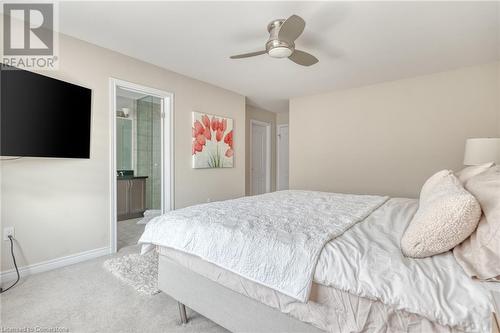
{"points": [[358, 282]]}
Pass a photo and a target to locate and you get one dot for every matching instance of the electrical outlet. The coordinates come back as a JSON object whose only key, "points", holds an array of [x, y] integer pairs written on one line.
{"points": [[209, 200], [8, 231]]}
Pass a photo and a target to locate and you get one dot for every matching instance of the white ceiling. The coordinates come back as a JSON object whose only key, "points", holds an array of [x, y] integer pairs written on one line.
{"points": [[357, 43]]}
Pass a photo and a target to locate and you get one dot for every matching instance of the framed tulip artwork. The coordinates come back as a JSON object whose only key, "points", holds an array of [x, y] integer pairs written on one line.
{"points": [[212, 141]]}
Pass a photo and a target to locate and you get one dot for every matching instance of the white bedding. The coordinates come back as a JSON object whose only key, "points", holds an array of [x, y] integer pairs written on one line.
{"points": [[328, 308], [273, 239], [367, 261]]}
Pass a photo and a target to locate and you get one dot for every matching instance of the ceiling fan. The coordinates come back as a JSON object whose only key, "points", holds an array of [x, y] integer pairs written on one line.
{"points": [[282, 35]]}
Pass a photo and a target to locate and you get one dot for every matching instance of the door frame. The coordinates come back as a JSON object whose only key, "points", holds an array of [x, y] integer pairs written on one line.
{"points": [[268, 153], [278, 128], [167, 148]]}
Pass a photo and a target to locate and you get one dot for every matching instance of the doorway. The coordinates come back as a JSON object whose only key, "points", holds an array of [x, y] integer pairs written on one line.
{"points": [[282, 157], [260, 157], [141, 168]]}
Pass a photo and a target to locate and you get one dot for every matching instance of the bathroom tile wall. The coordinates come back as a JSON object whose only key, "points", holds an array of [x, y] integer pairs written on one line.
{"points": [[149, 148]]}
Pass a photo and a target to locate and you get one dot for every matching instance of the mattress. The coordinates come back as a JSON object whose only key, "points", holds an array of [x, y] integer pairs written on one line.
{"points": [[328, 308]]}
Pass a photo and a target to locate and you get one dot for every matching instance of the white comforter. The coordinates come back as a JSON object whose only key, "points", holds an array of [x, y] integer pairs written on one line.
{"points": [[273, 239], [367, 261]]}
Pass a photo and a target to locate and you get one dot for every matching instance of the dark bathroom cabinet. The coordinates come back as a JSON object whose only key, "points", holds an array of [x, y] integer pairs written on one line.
{"points": [[131, 197]]}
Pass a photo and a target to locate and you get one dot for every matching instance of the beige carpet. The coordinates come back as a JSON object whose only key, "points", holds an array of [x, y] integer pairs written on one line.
{"points": [[129, 232], [87, 298]]}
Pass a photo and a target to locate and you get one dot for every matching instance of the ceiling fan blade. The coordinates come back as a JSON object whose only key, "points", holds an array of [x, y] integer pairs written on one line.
{"points": [[303, 58], [247, 55], [291, 29]]}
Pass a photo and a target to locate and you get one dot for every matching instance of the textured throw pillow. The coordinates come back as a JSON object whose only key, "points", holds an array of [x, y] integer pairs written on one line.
{"points": [[479, 255], [447, 215], [468, 172]]}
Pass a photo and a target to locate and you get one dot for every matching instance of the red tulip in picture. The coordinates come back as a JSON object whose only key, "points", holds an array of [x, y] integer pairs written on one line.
{"points": [[212, 145]]}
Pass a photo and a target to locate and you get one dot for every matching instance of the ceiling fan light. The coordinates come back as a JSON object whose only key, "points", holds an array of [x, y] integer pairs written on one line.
{"points": [[280, 52]]}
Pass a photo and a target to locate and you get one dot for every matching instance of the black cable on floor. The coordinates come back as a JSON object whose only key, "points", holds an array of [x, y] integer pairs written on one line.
{"points": [[15, 265]]}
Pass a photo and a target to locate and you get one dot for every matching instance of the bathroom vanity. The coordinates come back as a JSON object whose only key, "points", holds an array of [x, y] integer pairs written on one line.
{"points": [[131, 196]]}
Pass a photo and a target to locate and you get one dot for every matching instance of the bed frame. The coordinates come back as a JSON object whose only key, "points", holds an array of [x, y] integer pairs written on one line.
{"points": [[229, 309]]}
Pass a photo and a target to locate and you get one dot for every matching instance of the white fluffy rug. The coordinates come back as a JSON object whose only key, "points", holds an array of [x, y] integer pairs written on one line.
{"points": [[138, 271]]}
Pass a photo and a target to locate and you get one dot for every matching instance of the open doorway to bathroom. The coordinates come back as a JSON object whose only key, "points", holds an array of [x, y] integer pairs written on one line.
{"points": [[142, 149]]}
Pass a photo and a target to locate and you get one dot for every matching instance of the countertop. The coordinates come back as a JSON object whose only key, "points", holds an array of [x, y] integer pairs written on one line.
{"points": [[130, 177]]}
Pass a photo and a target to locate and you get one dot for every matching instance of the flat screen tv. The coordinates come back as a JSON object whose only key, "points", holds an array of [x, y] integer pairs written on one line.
{"points": [[43, 117]]}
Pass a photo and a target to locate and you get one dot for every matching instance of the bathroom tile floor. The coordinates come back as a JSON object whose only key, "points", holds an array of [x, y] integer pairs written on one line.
{"points": [[129, 232]]}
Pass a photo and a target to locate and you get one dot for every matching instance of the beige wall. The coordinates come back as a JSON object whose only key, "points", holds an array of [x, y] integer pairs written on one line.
{"points": [[282, 118], [268, 117], [388, 138], [60, 207]]}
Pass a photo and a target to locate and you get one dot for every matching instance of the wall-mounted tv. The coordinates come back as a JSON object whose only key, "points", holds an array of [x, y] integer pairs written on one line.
{"points": [[43, 117]]}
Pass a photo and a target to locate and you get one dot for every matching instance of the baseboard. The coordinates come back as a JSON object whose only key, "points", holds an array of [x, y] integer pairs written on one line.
{"points": [[48, 265]]}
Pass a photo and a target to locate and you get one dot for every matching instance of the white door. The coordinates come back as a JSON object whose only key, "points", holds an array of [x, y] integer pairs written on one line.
{"points": [[282, 144], [260, 158]]}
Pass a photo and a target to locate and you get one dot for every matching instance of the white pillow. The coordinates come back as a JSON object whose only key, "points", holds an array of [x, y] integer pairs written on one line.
{"points": [[447, 215], [479, 255], [468, 172]]}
